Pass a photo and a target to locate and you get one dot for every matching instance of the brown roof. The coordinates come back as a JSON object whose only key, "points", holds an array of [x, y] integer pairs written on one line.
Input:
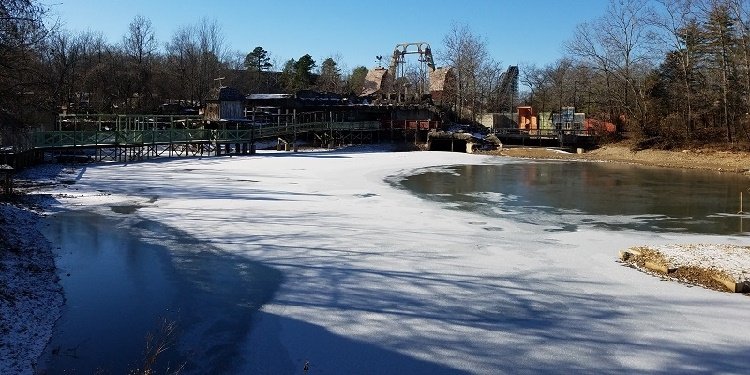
{"points": [[374, 81], [440, 77]]}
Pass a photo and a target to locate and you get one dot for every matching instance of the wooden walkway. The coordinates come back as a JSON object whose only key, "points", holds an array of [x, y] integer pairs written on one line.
{"points": [[61, 139], [124, 137], [89, 137]]}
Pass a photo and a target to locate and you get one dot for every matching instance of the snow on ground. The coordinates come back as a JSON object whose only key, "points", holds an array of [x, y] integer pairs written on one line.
{"points": [[378, 281], [30, 297], [733, 260]]}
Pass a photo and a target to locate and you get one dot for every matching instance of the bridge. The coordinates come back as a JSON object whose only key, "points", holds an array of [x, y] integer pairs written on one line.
{"points": [[183, 139], [565, 138], [93, 137], [140, 137]]}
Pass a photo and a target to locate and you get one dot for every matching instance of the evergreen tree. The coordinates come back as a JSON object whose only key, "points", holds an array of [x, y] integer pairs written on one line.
{"points": [[330, 76], [288, 76], [258, 60], [721, 42], [303, 76], [297, 74], [356, 80], [257, 64]]}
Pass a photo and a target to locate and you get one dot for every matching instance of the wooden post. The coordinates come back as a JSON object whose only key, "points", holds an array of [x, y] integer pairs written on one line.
{"points": [[7, 171], [294, 139]]}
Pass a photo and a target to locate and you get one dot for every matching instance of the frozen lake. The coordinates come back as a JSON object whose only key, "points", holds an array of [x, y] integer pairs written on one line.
{"points": [[512, 272]]}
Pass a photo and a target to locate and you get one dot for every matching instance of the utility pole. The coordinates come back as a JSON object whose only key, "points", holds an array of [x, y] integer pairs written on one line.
{"points": [[218, 81]]}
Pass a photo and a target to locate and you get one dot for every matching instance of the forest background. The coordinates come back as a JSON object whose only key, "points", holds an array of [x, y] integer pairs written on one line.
{"points": [[668, 73]]}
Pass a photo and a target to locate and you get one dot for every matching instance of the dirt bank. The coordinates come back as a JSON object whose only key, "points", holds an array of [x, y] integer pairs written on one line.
{"points": [[707, 159]]}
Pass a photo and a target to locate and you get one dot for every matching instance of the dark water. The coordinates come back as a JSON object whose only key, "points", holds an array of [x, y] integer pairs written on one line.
{"points": [[566, 195], [124, 278]]}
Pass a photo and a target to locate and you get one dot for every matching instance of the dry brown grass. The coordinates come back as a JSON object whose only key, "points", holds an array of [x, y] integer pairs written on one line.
{"points": [[699, 158]]}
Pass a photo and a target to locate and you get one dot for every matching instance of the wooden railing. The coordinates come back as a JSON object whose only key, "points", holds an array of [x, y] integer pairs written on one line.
{"points": [[542, 132]]}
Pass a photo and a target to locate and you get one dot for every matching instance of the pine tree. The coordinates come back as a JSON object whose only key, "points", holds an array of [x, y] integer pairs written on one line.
{"points": [[330, 76], [721, 42], [356, 80], [258, 60], [303, 77]]}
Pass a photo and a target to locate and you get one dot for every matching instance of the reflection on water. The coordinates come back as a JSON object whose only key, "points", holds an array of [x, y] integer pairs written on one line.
{"points": [[121, 278], [566, 195]]}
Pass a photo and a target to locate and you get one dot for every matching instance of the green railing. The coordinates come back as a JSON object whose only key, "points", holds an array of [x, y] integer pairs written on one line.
{"points": [[98, 138], [57, 139]]}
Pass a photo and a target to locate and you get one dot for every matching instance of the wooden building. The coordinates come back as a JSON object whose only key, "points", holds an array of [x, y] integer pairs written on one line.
{"points": [[442, 86], [226, 103]]}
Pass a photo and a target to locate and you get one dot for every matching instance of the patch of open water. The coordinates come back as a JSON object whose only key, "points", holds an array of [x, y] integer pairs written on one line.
{"points": [[124, 276], [563, 196]]}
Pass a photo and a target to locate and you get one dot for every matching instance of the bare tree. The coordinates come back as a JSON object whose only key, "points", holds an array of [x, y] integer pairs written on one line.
{"points": [[538, 81], [490, 74], [618, 45], [92, 80], [182, 61], [140, 46], [71, 62], [559, 75], [212, 53], [467, 54], [140, 41], [682, 38], [195, 57], [22, 35]]}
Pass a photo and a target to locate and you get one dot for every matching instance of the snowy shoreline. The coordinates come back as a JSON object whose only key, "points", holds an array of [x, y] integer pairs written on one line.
{"points": [[31, 298], [380, 281]]}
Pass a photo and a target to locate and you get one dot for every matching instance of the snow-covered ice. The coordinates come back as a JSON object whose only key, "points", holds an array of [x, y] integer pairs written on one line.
{"points": [[379, 281]]}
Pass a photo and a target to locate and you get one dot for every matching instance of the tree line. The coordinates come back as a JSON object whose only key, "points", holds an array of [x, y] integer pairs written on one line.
{"points": [[667, 72], [46, 69]]}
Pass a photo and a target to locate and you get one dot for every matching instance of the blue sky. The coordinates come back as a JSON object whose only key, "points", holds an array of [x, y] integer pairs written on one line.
{"points": [[515, 32]]}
